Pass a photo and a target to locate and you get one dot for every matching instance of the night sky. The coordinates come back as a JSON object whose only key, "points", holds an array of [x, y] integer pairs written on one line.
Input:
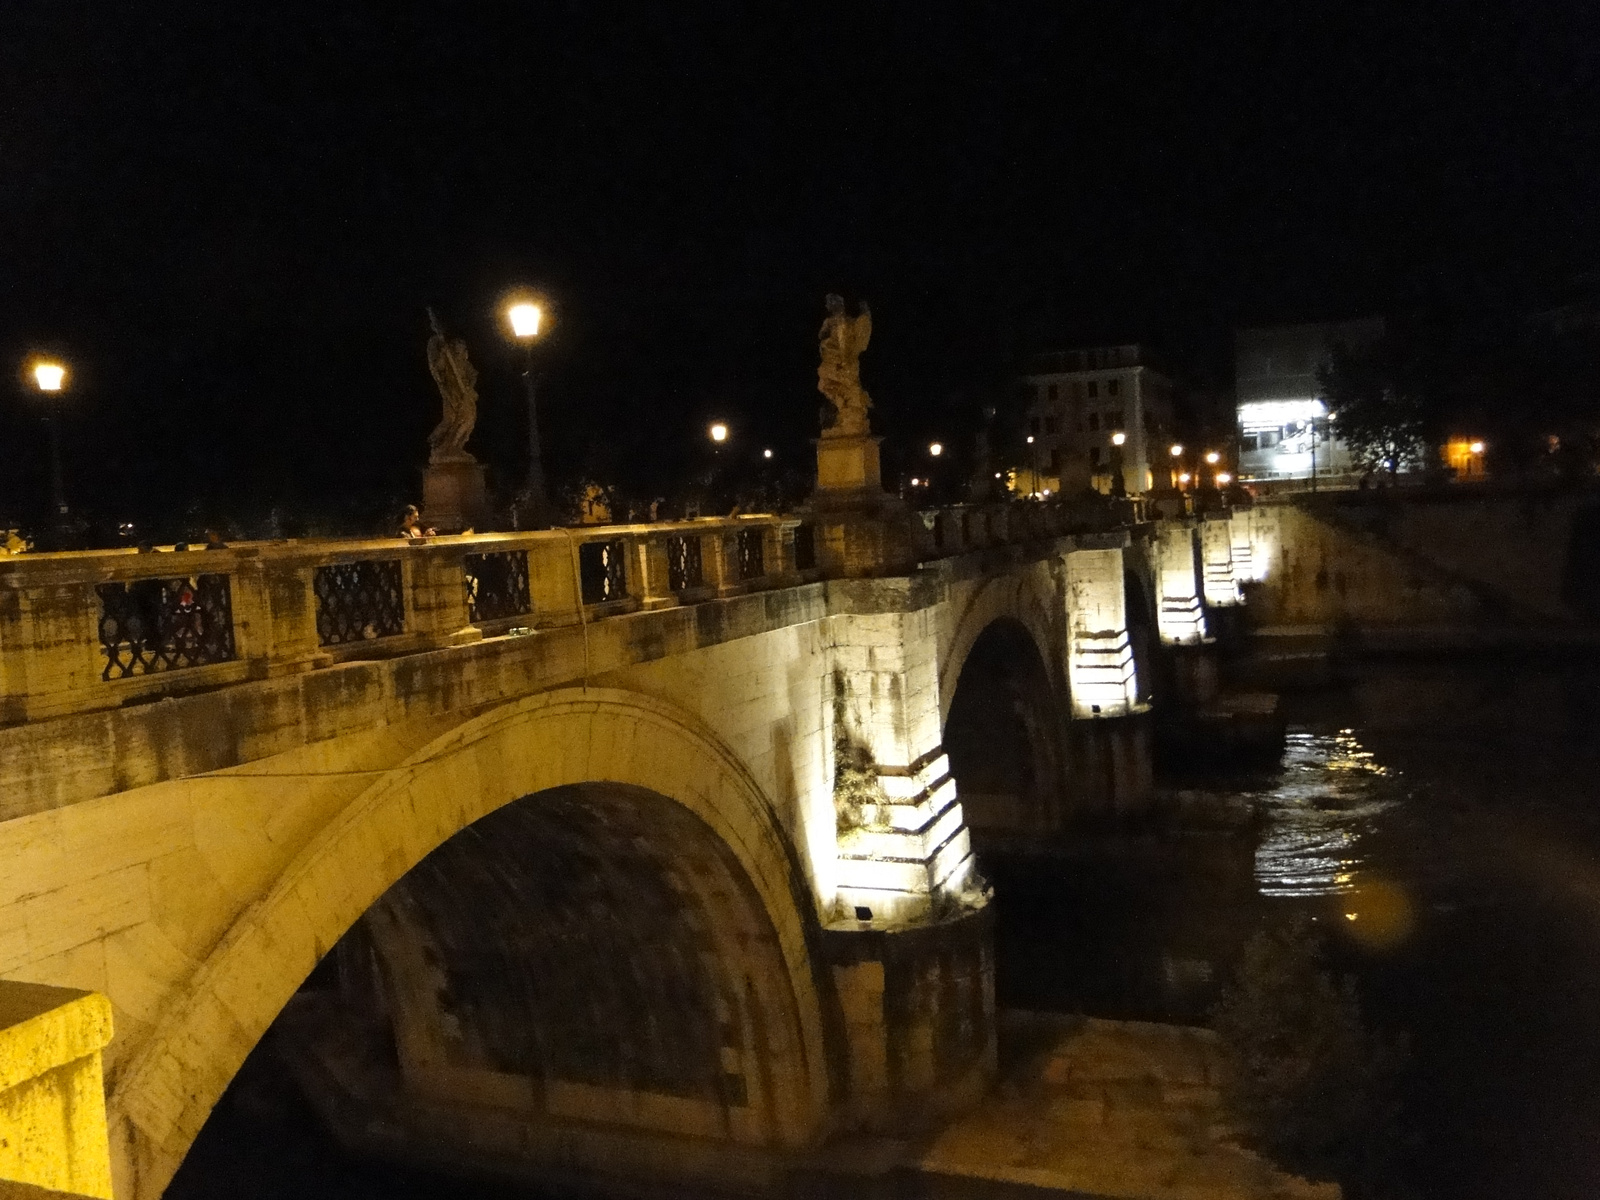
{"points": [[229, 218]]}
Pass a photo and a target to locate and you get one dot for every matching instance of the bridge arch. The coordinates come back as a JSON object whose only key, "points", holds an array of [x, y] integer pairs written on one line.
{"points": [[594, 756]]}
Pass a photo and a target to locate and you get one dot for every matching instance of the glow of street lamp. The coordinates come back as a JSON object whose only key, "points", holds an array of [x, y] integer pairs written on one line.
{"points": [[1183, 477], [1030, 439], [719, 432], [1213, 457], [524, 318], [936, 449], [915, 481], [1476, 447], [1223, 479], [766, 454], [1118, 438], [1176, 450], [49, 376]]}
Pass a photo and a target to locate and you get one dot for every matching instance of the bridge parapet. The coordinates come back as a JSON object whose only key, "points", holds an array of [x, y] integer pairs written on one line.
{"points": [[960, 528], [103, 629]]}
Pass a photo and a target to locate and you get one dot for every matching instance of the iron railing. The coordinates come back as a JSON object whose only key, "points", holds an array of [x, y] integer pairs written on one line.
{"points": [[151, 625], [751, 549], [359, 601], [497, 585], [602, 572], [685, 563]]}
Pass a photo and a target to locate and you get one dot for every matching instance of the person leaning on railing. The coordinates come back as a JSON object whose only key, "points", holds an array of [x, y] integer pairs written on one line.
{"points": [[411, 524]]}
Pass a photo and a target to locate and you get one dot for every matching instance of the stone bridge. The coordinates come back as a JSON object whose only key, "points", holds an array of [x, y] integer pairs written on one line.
{"points": [[622, 853]]}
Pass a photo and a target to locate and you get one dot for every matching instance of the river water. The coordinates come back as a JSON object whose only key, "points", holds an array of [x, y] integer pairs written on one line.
{"points": [[1439, 823], [1441, 826]]}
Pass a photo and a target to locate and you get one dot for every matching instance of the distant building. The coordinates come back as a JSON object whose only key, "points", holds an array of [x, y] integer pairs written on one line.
{"points": [[1284, 431], [1077, 402]]}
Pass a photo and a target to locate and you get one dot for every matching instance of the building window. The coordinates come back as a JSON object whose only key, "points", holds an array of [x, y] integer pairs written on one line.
{"points": [[1094, 389], [1033, 425], [1094, 420], [1055, 461], [1055, 393], [1094, 456], [1111, 387], [1050, 424], [1249, 442], [1077, 389]]}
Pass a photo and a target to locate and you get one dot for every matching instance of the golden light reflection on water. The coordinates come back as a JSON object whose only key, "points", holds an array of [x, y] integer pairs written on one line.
{"points": [[1329, 793]]}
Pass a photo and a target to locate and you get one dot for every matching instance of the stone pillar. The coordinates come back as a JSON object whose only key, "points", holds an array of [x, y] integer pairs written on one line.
{"points": [[1216, 559], [436, 576], [1242, 545], [1178, 614], [903, 842], [647, 563], [1100, 666]]}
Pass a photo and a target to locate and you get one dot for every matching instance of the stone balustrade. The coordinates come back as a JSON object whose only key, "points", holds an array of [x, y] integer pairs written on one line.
{"points": [[107, 628], [962, 528]]}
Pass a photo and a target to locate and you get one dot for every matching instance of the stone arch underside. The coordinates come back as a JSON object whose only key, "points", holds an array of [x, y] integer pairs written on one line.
{"points": [[1032, 598], [609, 775], [1003, 732]]}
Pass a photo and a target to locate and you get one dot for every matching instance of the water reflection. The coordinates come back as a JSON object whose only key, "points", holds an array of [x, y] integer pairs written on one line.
{"points": [[1326, 799]]}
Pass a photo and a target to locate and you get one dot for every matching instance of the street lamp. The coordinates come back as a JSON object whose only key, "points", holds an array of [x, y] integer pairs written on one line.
{"points": [[1119, 482], [51, 377], [1213, 457], [1177, 450], [526, 319], [718, 432], [1119, 438], [766, 454], [1223, 479], [936, 448]]}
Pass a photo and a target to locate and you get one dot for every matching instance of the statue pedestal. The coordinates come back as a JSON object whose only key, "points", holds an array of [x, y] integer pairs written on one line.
{"points": [[454, 496], [847, 468], [861, 530]]}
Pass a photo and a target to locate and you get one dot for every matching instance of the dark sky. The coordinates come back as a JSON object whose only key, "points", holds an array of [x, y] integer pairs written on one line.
{"points": [[229, 217]]}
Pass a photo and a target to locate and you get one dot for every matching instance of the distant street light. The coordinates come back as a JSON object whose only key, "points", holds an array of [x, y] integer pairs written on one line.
{"points": [[1184, 477], [51, 377], [1119, 438], [525, 319], [1476, 447], [1030, 439], [718, 432], [1176, 450], [936, 448], [766, 454], [1213, 457], [1223, 479]]}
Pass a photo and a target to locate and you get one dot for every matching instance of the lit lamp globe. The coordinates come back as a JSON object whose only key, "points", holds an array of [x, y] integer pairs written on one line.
{"points": [[936, 448], [49, 376], [1213, 457], [718, 432], [1223, 479], [1176, 450], [524, 318], [1118, 438]]}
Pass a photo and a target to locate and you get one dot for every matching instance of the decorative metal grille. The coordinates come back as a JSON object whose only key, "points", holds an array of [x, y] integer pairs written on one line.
{"points": [[751, 546], [150, 625], [805, 548], [497, 585], [601, 573], [685, 566], [359, 601]]}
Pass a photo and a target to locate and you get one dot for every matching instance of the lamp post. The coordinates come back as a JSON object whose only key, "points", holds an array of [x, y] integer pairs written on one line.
{"points": [[50, 378], [526, 319], [1119, 484]]}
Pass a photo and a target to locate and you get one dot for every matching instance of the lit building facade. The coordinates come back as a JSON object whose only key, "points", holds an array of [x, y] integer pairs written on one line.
{"points": [[1078, 402], [1284, 430]]}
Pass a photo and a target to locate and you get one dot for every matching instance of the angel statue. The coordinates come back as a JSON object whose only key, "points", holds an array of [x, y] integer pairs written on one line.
{"points": [[841, 341], [458, 385]]}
